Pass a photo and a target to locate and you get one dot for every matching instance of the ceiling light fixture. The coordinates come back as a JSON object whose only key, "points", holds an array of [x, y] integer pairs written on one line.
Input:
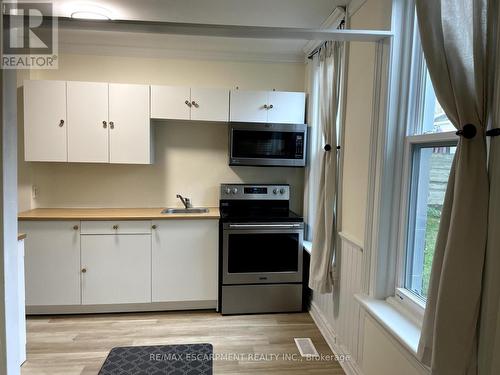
{"points": [[90, 12]]}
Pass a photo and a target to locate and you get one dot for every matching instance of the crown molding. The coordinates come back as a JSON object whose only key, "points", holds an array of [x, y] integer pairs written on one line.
{"points": [[170, 53]]}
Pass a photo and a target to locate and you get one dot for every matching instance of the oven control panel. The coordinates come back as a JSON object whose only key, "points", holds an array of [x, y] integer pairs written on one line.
{"points": [[257, 192]]}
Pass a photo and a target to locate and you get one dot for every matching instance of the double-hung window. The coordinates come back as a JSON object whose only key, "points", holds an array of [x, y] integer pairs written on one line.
{"points": [[430, 145]]}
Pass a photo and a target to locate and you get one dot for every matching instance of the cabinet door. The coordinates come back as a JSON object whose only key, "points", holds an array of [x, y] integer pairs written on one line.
{"points": [[248, 106], [117, 269], [129, 129], [45, 122], [209, 104], [185, 260], [88, 122], [287, 107], [52, 262], [169, 102]]}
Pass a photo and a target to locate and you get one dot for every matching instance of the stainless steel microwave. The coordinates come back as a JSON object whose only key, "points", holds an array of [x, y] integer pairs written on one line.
{"points": [[275, 145]]}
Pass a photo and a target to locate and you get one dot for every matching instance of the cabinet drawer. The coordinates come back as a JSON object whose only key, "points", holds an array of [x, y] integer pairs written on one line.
{"points": [[116, 227]]}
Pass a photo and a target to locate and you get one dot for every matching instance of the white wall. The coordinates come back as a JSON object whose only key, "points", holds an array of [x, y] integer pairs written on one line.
{"points": [[383, 356], [374, 14], [372, 350], [191, 158]]}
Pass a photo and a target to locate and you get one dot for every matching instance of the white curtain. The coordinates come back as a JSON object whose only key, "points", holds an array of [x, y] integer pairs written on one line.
{"points": [[489, 334], [322, 255], [457, 43]]}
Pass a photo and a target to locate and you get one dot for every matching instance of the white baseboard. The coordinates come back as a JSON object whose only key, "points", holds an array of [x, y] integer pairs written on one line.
{"points": [[121, 308], [350, 366]]}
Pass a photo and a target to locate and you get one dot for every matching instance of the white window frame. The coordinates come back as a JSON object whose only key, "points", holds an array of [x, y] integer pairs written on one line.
{"points": [[403, 297], [390, 162], [405, 300]]}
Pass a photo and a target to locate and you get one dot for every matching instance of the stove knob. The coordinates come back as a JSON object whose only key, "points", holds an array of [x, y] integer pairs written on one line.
{"points": [[275, 191], [282, 191], [235, 191], [228, 191]]}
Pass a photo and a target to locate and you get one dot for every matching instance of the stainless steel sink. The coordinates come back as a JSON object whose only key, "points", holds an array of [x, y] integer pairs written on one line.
{"points": [[185, 210]]}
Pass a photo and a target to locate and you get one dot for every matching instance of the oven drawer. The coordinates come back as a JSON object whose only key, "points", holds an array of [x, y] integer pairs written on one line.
{"points": [[249, 299]]}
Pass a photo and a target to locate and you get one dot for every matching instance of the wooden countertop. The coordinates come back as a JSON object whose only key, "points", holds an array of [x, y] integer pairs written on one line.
{"points": [[110, 214]]}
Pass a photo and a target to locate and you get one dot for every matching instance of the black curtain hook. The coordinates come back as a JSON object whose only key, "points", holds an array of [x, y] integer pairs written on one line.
{"points": [[469, 131], [327, 147]]}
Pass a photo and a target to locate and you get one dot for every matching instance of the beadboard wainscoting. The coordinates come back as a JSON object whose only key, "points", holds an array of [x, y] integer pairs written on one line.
{"points": [[338, 315]]}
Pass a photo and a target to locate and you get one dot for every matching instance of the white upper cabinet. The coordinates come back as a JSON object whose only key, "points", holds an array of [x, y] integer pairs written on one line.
{"points": [[248, 106], [98, 122], [278, 107], [88, 122], [209, 104], [184, 103], [170, 102], [129, 128], [95, 122], [286, 107], [45, 125]]}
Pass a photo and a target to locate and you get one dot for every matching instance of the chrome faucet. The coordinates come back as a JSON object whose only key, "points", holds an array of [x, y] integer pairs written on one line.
{"points": [[185, 201]]}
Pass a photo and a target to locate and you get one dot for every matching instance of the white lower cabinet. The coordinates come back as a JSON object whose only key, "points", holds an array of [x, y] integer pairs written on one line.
{"points": [[116, 268], [185, 260], [126, 262], [52, 262]]}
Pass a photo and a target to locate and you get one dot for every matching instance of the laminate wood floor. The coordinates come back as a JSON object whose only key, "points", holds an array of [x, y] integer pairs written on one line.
{"points": [[249, 344]]}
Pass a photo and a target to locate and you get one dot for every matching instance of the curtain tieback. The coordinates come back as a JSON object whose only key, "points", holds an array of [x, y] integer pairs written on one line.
{"points": [[469, 131], [493, 132]]}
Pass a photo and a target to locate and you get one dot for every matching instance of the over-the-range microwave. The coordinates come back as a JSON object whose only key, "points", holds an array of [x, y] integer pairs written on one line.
{"points": [[275, 145]]}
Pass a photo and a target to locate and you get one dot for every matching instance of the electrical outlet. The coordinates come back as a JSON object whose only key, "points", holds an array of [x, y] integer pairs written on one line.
{"points": [[34, 191]]}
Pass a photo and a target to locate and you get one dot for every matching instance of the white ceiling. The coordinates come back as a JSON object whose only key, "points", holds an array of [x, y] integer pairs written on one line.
{"points": [[277, 13]]}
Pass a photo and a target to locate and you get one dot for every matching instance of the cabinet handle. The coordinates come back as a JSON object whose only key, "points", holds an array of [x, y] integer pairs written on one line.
{"points": [[111, 125], [61, 123], [187, 103], [270, 106], [265, 106], [115, 226], [75, 227], [84, 270], [153, 226], [196, 105], [104, 124]]}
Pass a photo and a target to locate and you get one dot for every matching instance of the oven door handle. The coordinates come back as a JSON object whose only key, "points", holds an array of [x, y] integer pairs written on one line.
{"points": [[264, 226]]}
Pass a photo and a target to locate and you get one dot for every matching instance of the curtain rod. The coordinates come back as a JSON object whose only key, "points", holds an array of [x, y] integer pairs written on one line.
{"points": [[318, 48]]}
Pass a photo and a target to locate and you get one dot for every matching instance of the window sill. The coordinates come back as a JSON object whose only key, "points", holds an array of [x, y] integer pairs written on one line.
{"points": [[307, 246], [401, 327]]}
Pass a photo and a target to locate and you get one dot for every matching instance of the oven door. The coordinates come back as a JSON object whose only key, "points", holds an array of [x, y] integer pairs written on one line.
{"points": [[259, 253], [267, 144]]}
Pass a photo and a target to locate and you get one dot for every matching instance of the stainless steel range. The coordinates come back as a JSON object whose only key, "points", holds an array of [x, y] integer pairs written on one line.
{"points": [[260, 250]]}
